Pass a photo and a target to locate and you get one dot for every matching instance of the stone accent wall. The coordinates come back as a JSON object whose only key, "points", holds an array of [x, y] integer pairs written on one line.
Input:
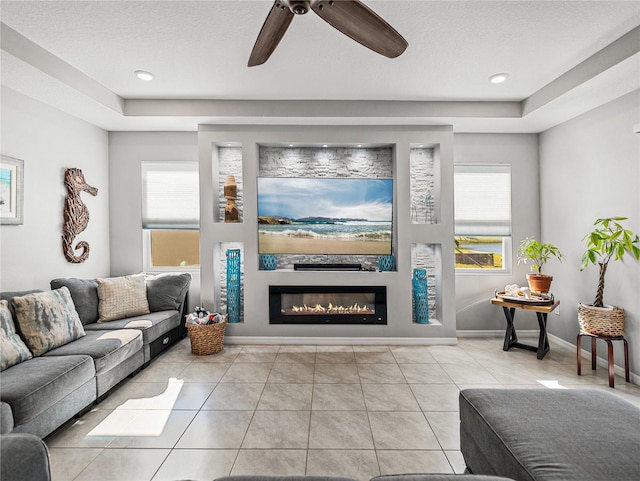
{"points": [[371, 163], [422, 186]]}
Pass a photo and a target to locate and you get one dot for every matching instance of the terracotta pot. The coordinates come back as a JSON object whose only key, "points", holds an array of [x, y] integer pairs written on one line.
{"points": [[539, 282]]}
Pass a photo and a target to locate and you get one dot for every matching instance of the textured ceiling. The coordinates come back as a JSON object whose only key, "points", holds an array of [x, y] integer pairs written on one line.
{"points": [[199, 50]]}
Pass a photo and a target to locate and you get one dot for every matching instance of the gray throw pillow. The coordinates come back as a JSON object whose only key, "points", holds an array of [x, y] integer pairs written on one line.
{"points": [[84, 293], [12, 349], [47, 319], [166, 292]]}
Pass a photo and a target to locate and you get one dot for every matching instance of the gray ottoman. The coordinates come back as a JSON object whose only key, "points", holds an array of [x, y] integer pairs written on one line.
{"points": [[544, 435]]}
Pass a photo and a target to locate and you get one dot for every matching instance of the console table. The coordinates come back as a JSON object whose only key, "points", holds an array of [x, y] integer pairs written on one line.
{"points": [[511, 338]]}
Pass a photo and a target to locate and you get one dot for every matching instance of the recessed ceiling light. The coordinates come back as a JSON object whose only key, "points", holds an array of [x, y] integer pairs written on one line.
{"points": [[325, 145], [144, 75], [359, 145], [421, 145], [290, 145], [498, 78]]}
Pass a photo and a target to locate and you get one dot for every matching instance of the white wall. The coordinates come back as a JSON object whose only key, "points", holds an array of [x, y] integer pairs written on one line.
{"points": [[590, 168], [473, 291], [126, 151], [50, 141]]}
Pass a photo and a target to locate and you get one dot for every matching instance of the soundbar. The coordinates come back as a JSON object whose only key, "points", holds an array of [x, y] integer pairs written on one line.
{"points": [[327, 267]]}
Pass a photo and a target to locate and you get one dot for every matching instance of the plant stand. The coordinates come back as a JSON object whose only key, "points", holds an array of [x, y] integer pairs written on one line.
{"points": [[611, 366]]}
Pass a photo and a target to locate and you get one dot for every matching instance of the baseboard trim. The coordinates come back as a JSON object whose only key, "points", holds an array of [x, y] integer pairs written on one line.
{"points": [[349, 341], [586, 355]]}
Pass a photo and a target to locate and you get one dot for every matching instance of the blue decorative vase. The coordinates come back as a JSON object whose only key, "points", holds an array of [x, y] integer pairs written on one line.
{"points": [[233, 285], [385, 263], [420, 297], [269, 262]]}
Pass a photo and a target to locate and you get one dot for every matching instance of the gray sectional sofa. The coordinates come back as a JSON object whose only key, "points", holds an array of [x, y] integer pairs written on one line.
{"points": [[42, 392], [550, 434]]}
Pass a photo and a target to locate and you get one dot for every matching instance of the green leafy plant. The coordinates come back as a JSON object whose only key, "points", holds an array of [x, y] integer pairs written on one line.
{"points": [[537, 253], [609, 240]]}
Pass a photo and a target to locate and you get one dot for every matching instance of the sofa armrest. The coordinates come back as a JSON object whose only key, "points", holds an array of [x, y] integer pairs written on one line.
{"points": [[6, 418], [23, 456]]}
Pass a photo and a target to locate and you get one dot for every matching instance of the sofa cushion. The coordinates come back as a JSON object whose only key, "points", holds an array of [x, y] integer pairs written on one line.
{"points": [[84, 293], [550, 434], [12, 348], [166, 292], [107, 348], [37, 384], [152, 325], [47, 319], [122, 297]]}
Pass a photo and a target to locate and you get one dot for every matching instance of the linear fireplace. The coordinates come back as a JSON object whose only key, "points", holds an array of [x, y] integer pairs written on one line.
{"points": [[327, 304]]}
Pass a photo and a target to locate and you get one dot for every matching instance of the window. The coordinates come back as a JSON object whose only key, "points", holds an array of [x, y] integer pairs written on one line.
{"points": [[170, 215], [482, 217]]}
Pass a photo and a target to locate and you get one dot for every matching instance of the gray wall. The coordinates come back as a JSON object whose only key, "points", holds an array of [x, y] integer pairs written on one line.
{"points": [[126, 152], [50, 141], [473, 291], [590, 168]]}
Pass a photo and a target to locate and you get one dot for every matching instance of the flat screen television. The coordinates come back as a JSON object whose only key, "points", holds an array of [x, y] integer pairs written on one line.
{"points": [[325, 216]]}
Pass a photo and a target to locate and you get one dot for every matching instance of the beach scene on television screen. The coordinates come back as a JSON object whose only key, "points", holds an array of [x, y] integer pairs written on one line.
{"points": [[325, 216]]}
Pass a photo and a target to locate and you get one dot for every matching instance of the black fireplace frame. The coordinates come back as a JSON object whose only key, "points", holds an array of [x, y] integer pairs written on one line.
{"points": [[275, 307]]}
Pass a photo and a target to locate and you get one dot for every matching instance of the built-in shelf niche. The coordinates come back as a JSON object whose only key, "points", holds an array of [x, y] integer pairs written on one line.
{"points": [[424, 184], [228, 162], [427, 256], [220, 267]]}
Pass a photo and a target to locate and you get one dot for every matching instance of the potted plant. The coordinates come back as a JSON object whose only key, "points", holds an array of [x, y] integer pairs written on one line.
{"points": [[537, 253], [608, 241]]}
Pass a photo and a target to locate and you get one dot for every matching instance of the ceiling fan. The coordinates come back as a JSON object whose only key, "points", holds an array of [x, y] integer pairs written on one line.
{"points": [[351, 17]]}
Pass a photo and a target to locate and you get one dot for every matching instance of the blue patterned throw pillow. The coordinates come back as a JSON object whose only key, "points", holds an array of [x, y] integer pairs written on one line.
{"points": [[12, 348], [47, 319]]}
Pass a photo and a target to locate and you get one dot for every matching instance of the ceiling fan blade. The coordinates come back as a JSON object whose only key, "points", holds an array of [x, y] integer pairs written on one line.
{"points": [[272, 31], [356, 20]]}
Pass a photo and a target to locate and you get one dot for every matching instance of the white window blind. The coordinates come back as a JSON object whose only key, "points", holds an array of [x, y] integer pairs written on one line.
{"points": [[482, 199], [170, 195]]}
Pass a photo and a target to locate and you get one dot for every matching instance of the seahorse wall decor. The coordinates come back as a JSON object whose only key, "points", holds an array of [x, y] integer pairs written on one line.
{"points": [[76, 215]]}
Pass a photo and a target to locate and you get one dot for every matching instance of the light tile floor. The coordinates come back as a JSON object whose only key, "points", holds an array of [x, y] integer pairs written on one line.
{"points": [[356, 411]]}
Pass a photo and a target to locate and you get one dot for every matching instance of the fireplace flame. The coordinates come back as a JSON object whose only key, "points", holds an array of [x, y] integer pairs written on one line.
{"points": [[330, 309]]}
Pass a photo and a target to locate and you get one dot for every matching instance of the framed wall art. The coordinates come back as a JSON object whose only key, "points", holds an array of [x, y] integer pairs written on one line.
{"points": [[11, 190]]}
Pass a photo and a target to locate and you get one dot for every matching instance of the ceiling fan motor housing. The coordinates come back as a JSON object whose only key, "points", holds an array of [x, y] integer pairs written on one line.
{"points": [[299, 7]]}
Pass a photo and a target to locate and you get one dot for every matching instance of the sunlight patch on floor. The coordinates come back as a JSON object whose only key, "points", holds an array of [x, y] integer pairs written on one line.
{"points": [[552, 384], [133, 418]]}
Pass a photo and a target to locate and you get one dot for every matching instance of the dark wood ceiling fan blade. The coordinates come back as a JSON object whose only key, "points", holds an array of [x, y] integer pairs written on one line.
{"points": [[356, 20], [271, 33]]}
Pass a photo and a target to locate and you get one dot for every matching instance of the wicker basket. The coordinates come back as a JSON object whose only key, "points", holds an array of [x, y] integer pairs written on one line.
{"points": [[206, 339], [608, 322]]}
